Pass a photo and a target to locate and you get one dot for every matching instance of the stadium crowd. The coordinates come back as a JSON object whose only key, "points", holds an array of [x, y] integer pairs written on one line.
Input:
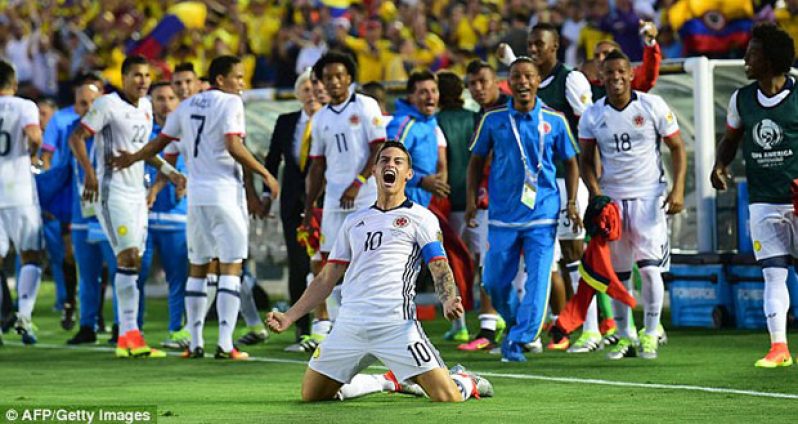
{"points": [[456, 164]]}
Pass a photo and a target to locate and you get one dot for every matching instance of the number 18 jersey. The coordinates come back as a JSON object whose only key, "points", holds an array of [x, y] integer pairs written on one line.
{"points": [[118, 125], [628, 142], [201, 123], [16, 179]]}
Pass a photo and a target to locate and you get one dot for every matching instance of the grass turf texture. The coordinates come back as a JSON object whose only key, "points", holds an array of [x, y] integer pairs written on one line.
{"points": [[211, 391]]}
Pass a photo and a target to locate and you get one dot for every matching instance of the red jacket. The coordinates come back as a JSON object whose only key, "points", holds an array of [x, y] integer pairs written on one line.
{"points": [[645, 75]]}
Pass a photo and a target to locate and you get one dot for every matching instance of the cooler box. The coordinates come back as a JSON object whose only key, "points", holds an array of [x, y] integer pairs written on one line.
{"points": [[699, 294], [748, 289]]}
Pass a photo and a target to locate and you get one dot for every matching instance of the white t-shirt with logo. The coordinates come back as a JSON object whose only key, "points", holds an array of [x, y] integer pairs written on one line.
{"points": [[628, 141], [118, 125], [17, 187], [342, 135]]}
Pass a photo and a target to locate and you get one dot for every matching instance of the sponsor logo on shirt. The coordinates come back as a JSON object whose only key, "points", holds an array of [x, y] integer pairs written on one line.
{"points": [[768, 134]]}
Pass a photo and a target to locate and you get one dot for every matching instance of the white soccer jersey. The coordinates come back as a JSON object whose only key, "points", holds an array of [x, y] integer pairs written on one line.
{"points": [[16, 180], [628, 142], [201, 123], [384, 253], [118, 125], [342, 134]]}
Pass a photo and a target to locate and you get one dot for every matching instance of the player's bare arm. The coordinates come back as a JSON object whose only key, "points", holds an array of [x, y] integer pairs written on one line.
{"points": [[314, 182], [588, 167], [255, 205], [675, 199], [571, 187], [33, 133], [235, 146], [124, 159], [473, 179], [316, 293], [726, 151], [446, 289], [168, 171], [77, 142]]}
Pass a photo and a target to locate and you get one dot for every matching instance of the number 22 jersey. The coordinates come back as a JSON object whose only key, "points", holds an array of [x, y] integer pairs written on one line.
{"points": [[119, 125], [201, 123]]}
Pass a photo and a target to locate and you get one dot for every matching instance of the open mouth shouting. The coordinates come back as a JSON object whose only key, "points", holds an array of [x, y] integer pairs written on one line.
{"points": [[389, 177]]}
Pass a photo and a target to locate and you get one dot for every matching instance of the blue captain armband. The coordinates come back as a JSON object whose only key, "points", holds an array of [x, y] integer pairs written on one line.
{"points": [[433, 251]]}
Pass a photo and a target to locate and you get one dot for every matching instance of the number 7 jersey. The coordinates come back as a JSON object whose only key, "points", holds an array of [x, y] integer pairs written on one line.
{"points": [[199, 125], [118, 125]]}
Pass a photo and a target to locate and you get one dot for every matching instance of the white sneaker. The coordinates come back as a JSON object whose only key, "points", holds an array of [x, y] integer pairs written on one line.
{"points": [[587, 342]]}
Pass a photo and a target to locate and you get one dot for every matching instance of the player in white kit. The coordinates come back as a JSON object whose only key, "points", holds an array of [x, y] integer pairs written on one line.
{"points": [[379, 251], [20, 219], [122, 121], [210, 129], [625, 129]]}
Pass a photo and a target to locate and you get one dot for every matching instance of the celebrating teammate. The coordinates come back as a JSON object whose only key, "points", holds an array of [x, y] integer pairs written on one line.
{"points": [[122, 121], [210, 126], [763, 116], [378, 252], [624, 129], [20, 219]]}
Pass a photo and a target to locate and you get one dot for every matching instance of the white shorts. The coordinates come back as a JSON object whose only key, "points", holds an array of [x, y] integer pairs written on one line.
{"points": [[331, 222], [476, 239], [644, 239], [773, 230], [565, 229], [351, 347], [217, 231], [22, 225], [124, 222]]}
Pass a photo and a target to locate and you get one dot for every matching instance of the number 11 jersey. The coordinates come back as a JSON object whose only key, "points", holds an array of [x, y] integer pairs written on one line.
{"points": [[119, 125], [201, 123]]}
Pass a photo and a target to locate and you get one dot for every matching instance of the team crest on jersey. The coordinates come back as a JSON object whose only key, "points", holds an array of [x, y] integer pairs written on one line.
{"points": [[122, 230], [639, 121], [768, 134], [354, 120], [401, 222], [669, 117], [546, 127], [377, 121], [584, 99], [440, 236]]}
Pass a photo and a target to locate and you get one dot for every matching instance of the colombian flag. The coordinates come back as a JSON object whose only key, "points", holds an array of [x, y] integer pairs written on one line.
{"points": [[190, 14], [338, 8], [712, 27]]}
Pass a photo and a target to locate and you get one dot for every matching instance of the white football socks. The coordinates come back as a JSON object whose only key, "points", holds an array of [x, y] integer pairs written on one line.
{"points": [[30, 277], [465, 384], [213, 285], [228, 302], [127, 298], [623, 314], [249, 311], [365, 384], [196, 300], [777, 302], [653, 296]]}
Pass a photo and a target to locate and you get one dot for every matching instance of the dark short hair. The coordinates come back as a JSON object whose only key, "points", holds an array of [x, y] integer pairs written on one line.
{"points": [[88, 78], [160, 84], [398, 145], [523, 59], [131, 61], [779, 49], [7, 74], [545, 26], [221, 66], [417, 77], [335, 57], [477, 65], [374, 90], [451, 89], [185, 67], [48, 101], [616, 55]]}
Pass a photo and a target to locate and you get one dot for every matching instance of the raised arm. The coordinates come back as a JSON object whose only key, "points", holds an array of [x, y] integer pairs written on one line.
{"points": [[316, 293]]}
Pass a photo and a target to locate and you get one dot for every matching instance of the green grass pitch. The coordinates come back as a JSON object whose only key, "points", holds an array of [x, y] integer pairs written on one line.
{"points": [[553, 387]]}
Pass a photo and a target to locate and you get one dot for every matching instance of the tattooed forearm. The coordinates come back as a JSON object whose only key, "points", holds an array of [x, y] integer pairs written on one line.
{"points": [[442, 275]]}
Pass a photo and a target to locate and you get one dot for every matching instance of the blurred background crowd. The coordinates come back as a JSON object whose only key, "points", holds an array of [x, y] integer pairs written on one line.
{"points": [[52, 41]]}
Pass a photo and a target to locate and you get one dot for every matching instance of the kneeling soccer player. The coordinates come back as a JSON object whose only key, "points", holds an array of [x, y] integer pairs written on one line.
{"points": [[380, 250]]}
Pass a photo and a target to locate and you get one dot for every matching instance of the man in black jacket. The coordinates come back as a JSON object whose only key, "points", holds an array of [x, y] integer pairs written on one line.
{"points": [[290, 144]]}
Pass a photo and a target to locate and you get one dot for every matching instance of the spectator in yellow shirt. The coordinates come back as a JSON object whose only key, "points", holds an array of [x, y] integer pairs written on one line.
{"points": [[372, 51], [787, 18]]}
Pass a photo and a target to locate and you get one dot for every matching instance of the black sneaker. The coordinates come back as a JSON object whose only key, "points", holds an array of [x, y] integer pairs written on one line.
{"points": [[68, 317], [197, 353], [114, 335], [8, 322], [253, 337], [84, 335], [234, 354]]}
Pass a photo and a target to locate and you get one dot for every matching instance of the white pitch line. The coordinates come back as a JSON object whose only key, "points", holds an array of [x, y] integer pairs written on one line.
{"points": [[572, 380]]}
